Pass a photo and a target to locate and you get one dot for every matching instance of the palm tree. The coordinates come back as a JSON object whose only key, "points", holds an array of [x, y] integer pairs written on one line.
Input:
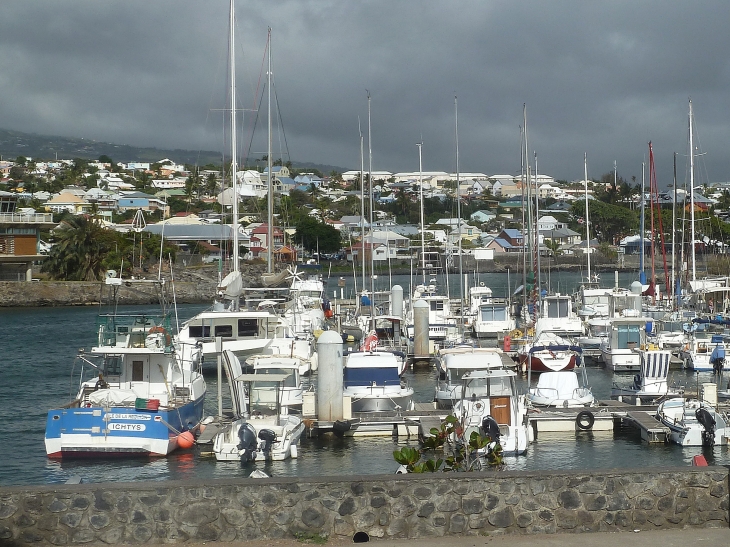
{"points": [[81, 244]]}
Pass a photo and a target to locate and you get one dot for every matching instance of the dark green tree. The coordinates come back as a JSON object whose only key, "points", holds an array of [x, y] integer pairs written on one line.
{"points": [[80, 245], [313, 234]]}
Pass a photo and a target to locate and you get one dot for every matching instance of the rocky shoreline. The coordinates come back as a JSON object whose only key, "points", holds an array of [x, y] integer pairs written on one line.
{"points": [[192, 286]]}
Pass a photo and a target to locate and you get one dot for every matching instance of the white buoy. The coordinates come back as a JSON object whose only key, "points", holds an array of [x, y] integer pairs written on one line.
{"points": [[396, 301], [420, 329], [329, 377]]}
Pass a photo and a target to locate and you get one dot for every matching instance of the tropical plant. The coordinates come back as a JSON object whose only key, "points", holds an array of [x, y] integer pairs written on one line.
{"points": [[460, 453], [80, 245]]}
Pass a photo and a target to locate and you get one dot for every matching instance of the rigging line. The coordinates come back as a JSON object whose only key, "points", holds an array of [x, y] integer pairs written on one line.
{"points": [[280, 120], [256, 108]]}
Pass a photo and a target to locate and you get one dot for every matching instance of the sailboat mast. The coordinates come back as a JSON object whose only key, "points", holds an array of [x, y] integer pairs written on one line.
{"points": [[588, 231], [537, 232], [642, 275], [370, 188], [652, 178], [270, 211], [692, 191], [674, 232], [234, 166], [458, 213], [423, 227], [362, 207]]}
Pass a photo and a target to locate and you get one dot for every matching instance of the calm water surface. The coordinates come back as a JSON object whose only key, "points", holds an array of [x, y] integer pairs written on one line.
{"points": [[39, 346]]}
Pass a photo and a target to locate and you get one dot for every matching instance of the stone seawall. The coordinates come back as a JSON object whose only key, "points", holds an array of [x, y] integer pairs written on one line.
{"points": [[383, 506], [83, 293]]}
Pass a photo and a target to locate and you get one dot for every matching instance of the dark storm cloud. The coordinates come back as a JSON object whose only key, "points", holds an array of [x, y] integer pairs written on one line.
{"points": [[601, 78]]}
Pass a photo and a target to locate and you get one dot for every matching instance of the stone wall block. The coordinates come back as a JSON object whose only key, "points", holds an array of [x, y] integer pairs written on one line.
{"points": [[365, 521], [99, 521], [8, 509], [59, 538], [269, 499], [718, 490], [48, 523], [71, 519], [57, 506], [405, 506], [530, 504], [594, 502], [384, 518], [634, 489], [357, 489], [524, 520], [347, 507], [619, 502], [697, 479], [548, 500], [472, 506], [502, 518], [442, 488], [426, 509], [478, 522], [538, 486], [662, 487], [448, 504], [645, 503], [343, 527], [205, 532], [197, 514], [457, 524], [123, 504], [234, 516], [259, 516], [513, 499], [569, 499], [422, 492]]}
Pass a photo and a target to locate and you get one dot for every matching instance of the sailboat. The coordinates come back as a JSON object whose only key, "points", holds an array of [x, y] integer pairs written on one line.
{"points": [[442, 325], [246, 328]]}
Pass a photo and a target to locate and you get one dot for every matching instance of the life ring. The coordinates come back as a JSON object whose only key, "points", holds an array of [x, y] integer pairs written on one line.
{"points": [[158, 329], [584, 420]]}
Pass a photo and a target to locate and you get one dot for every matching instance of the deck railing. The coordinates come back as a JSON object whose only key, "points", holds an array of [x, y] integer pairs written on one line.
{"points": [[26, 218]]}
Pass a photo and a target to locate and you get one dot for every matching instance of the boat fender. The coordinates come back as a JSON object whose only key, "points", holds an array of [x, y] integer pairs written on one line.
{"points": [[584, 420], [340, 427], [293, 451]]}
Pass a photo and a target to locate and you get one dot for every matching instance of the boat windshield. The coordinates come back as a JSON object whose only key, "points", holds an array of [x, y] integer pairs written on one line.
{"points": [[492, 386], [558, 307], [290, 381], [493, 313], [596, 299], [628, 334]]}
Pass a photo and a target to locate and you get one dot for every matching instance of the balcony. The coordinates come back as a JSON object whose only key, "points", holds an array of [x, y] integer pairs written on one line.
{"points": [[26, 218]]}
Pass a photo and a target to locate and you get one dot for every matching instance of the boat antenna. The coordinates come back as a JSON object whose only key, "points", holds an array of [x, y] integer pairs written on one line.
{"points": [[458, 215], [362, 209], [692, 190]]}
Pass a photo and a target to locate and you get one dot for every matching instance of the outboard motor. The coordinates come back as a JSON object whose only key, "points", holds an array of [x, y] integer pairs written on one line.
{"points": [[708, 423], [247, 443], [268, 437], [491, 428]]}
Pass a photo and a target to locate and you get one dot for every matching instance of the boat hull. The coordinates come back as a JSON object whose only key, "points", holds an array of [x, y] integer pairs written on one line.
{"points": [[545, 362], [288, 431], [101, 432], [379, 399]]}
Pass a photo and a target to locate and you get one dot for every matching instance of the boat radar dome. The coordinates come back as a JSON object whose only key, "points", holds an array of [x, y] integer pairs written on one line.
{"points": [[636, 287]]}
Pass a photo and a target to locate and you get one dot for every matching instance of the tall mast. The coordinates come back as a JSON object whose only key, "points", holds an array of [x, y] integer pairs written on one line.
{"points": [[423, 227], [588, 230], [234, 167], [651, 208], [362, 206], [692, 190], [537, 233], [370, 189], [642, 275], [674, 231], [458, 213], [270, 234]]}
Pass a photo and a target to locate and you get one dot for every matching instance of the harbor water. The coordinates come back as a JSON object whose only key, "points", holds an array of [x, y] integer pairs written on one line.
{"points": [[39, 346]]}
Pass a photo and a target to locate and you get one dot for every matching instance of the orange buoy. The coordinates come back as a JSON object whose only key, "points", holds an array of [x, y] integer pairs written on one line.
{"points": [[185, 440]]}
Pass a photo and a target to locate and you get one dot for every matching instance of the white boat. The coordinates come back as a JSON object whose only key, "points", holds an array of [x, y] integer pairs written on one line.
{"points": [[620, 349], [693, 423], [260, 432], [704, 352], [651, 383], [597, 330], [561, 389], [372, 381], [547, 352], [454, 363], [305, 308], [290, 392], [488, 317], [593, 301], [491, 395], [557, 316], [136, 395], [441, 322]]}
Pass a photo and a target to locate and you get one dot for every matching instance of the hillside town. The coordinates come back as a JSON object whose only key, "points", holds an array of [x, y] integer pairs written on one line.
{"points": [[191, 207]]}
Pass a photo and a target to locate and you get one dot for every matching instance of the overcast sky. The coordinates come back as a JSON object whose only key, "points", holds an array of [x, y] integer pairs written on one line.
{"points": [[602, 78]]}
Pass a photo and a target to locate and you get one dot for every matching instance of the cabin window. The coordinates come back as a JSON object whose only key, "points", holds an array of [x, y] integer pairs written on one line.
{"points": [[491, 313], [248, 327], [224, 331], [437, 305], [199, 331], [112, 365], [628, 334], [290, 381], [500, 386], [558, 307], [138, 371]]}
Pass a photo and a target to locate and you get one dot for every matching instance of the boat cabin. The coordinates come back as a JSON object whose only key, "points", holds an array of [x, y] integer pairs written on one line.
{"points": [[371, 369]]}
